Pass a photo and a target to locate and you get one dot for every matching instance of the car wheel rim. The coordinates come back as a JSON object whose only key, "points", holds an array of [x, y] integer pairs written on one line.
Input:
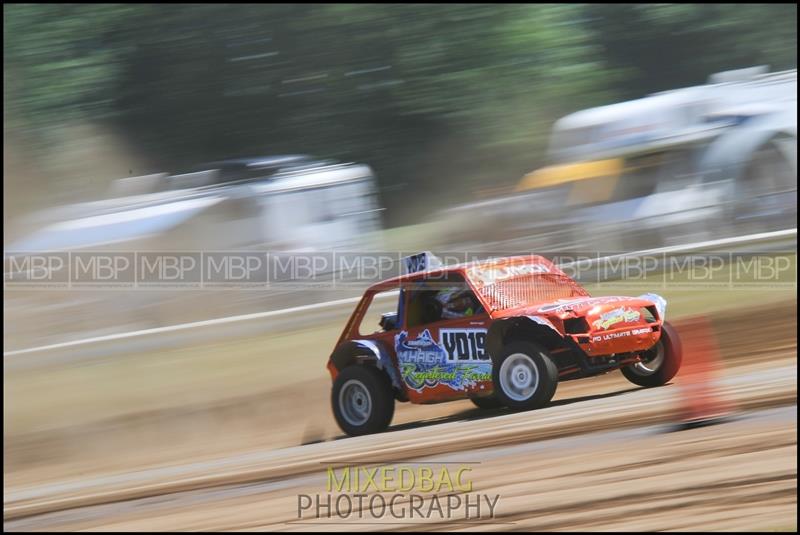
{"points": [[355, 402], [651, 361], [519, 377]]}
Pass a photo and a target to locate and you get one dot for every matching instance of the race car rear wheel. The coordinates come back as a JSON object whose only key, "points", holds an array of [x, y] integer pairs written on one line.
{"points": [[362, 400], [659, 364], [524, 376], [487, 402]]}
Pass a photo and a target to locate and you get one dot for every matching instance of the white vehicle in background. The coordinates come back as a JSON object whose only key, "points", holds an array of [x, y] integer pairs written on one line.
{"points": [[702, 161], [276, 203]]}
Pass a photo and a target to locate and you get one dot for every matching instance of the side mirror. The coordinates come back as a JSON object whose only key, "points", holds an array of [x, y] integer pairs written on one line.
{"points": [[388, 321]]}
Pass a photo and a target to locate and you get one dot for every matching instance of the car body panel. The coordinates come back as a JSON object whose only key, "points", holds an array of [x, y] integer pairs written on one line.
{"points": [[448, 358]]}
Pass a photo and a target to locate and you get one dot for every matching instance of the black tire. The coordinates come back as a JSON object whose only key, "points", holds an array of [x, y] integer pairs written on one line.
{"points": [[487, 403], [524, 358], [672, 355], [366, 387]]}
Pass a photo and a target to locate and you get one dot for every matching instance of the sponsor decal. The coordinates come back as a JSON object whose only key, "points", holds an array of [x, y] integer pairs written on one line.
{"points": [[561, 305], [611, 336], [566, 304], [458, 362], [618, 315], [489, 275]]}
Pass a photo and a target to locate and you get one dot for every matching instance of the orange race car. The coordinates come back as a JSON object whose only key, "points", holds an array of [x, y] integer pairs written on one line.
{"points": [[502, 333]]}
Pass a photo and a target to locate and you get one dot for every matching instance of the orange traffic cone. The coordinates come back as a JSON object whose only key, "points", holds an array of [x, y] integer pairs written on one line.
{"points": [[701, 402]]}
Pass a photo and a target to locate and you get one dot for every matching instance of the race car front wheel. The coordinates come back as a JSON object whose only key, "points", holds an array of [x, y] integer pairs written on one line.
{"points": [[660, 363], [524, 376], [362, 400]]}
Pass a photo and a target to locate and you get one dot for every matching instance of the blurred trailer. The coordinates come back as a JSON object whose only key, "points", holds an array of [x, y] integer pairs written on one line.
{"points": [[278, 202], [705, 161], [275, 204]]}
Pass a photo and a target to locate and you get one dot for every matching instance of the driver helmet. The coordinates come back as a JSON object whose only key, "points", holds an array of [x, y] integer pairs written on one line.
{"points": [[457, 302]]}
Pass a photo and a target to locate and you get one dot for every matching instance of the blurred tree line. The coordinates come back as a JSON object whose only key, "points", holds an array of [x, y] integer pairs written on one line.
{"points": [[440, 99]]}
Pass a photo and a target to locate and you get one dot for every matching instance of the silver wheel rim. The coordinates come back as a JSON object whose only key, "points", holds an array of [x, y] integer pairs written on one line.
{"points": [[651, 361], [519, 377], [355, 402]]}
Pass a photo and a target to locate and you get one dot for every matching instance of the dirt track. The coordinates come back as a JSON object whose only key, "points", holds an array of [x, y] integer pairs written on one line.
{"points": [[735, 476], [199, 426], [641, 479], [773, 453]]}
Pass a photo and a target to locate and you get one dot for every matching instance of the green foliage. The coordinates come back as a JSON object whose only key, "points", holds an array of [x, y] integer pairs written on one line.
{"points": [[675, 45], [431, 95]]}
